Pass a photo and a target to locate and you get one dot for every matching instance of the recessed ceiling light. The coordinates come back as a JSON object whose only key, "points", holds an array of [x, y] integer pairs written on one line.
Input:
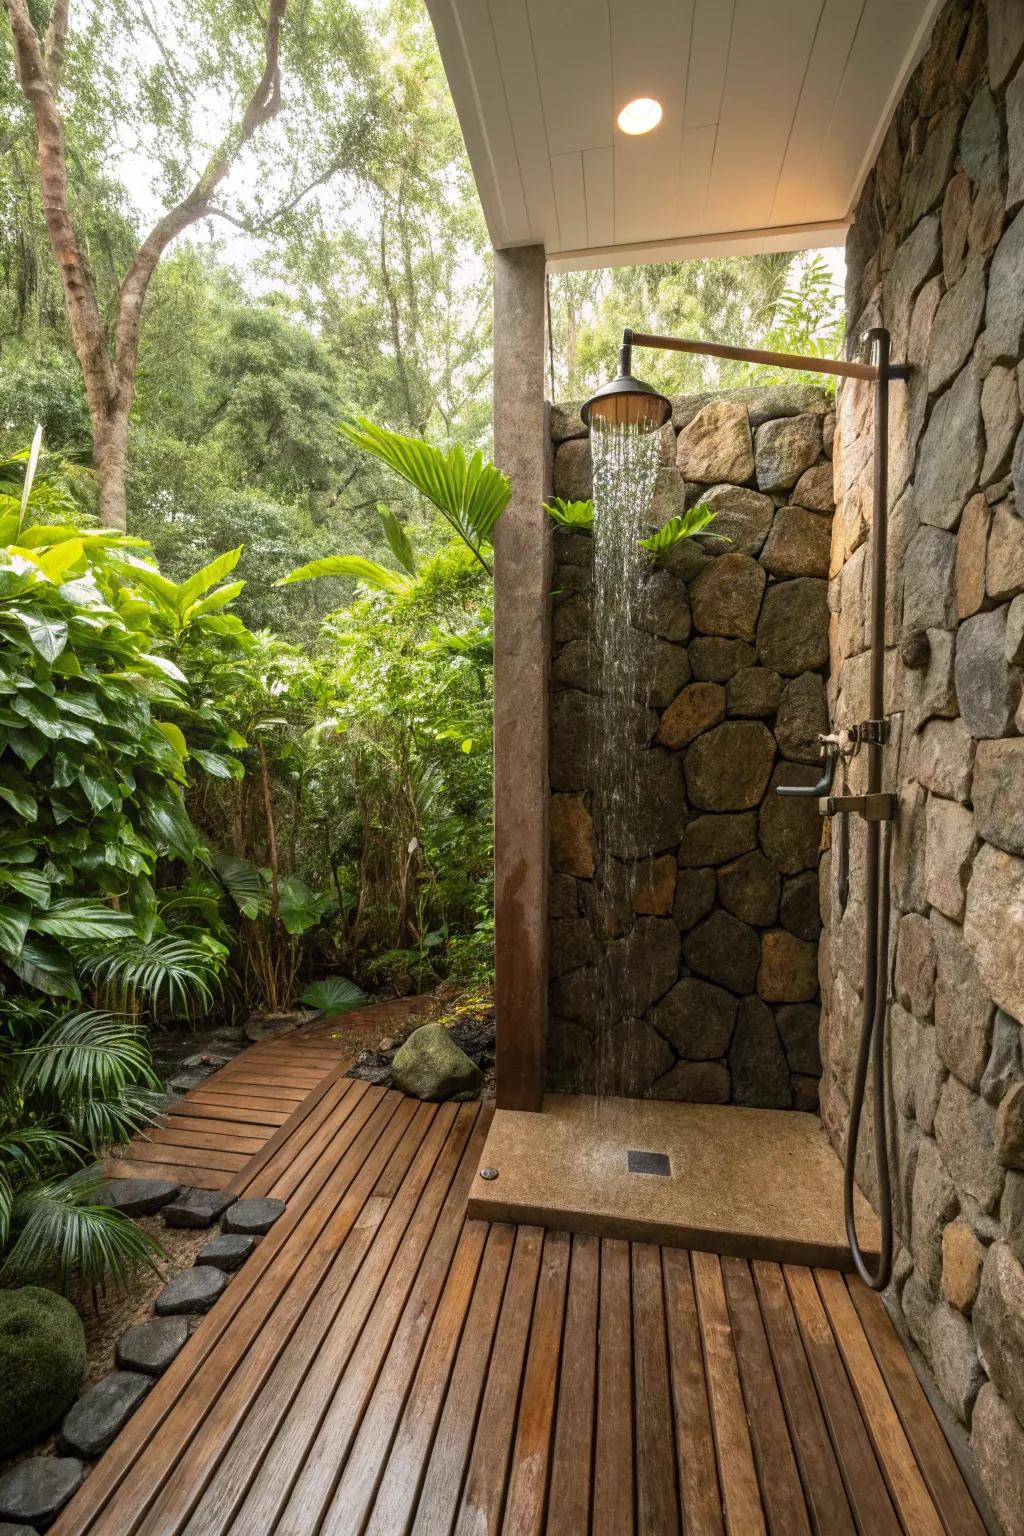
{"points": [[641, 115]]}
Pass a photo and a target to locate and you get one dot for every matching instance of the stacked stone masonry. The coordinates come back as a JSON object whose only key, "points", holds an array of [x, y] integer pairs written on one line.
{"points": [[714, 916], [937, 255]]}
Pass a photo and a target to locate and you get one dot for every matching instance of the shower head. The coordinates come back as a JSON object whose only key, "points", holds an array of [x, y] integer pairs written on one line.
{"points": [[627, 401]]}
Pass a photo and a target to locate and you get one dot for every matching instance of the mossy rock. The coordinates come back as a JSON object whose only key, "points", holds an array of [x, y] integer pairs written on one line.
{"points": [[42, 1362], [431, 1066]]}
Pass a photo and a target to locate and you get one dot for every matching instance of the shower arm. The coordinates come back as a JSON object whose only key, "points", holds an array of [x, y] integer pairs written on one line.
{"points": [[838, 366]]}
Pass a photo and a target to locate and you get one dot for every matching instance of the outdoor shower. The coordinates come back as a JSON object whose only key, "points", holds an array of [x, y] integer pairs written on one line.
{"points": [[628, 407]]}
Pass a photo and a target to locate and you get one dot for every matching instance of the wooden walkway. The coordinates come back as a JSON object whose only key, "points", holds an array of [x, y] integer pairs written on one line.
{"points": [[207, 1138], [383, 1366]]}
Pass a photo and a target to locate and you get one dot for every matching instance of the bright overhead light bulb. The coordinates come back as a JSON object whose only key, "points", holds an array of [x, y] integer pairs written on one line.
{"points": [[641, 115]]}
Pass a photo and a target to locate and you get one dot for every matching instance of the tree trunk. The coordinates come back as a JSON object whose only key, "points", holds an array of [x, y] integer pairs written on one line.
{"points": [[110, 462], [108, 370]]}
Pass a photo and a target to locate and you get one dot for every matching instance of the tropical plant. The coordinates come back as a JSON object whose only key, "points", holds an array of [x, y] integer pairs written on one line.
{"points": [[470, 494], [696, 520], [570, 514], [70, 1086], [334, 994], [97, 724]]}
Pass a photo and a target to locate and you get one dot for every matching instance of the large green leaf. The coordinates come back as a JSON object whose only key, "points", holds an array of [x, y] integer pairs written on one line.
{"points": [[244, 884], [398, 540], [15, 791], [84, 921], [27, 882], [48, 636], [366, 571], [208, 577], [334, 994], [13, 928], [47, 967], [470, 494], [300, 908]]}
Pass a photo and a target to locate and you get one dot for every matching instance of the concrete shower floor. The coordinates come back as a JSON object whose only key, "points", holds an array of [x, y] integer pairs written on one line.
{"points": [[754, 1183]]}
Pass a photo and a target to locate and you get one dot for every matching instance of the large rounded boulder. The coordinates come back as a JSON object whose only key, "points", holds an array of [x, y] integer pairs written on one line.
{"points": [[42, 1362], [431, 1066]]}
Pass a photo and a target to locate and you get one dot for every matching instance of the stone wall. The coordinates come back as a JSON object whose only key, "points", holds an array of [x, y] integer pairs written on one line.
{"points": [[700, 936], [937, 255]]}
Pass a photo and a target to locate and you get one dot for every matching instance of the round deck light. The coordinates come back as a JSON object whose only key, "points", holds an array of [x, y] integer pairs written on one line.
{"points": [[641, 115]]}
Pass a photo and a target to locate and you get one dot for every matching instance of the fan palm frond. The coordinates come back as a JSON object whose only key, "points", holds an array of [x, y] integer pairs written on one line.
{"points": [[176, 976], [62, 1230], [87, 1056], [114, 1119], [470, 494]]}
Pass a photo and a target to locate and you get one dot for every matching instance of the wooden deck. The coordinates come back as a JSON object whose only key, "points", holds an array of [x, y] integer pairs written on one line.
{"points": [[208, 1138], [384, 1365]]}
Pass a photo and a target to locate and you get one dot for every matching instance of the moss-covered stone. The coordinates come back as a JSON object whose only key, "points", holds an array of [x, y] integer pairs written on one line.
{"points": [[431, 1066], [42, 1362]]}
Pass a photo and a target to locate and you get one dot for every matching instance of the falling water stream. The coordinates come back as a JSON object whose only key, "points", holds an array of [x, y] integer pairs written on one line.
{"points": [[625, 461]]}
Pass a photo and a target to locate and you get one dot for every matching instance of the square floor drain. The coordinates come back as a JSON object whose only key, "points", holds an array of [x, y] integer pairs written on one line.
{"points": [[649, 1162]]}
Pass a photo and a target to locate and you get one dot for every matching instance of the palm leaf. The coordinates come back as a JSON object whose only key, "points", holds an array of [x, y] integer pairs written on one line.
{"points": [[176, 976], [87, 1056], [470, 494], [334, 994], [398, 539], [366, 571], [62, 1229], [570, 514]]}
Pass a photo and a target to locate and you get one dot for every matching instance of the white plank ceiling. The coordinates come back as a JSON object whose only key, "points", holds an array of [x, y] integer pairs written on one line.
{"points": [[774, 111]]}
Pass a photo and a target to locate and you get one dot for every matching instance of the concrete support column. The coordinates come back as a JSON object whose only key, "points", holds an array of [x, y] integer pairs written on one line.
{"points": [[522, 583]]}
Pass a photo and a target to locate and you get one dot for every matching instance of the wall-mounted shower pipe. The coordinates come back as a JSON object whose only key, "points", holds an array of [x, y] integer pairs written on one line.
{"points": [[628, 400]]}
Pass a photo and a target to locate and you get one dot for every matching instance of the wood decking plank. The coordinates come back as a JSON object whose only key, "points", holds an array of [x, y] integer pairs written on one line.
{"points": [[230, 1447], [201, 1123], [196, 1178], [934, 1457], [657, 1496], [227, 1099], [295, 1134], [526, 1499], [741, 1497], [355, 1494], [170, 1153], [269, 1265], [865, 1486], [613, 1436], [700, 1494], [781, 1493], [483, 1493], [573, 1454], [443, 1481], [289, 1163], [454, 1327], [180, 1133], [906, 1485], [429, 1240], [206, 1110], [827, 1504]]}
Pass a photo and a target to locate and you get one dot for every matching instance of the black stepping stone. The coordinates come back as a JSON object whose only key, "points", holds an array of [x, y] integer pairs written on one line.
{"points": [[151, 1346], [194, 1290], [229, 1251], [36, 1490], [7, 1529], [100, 1415], [198, 1208], [252, 1216], [138, 1197]]}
